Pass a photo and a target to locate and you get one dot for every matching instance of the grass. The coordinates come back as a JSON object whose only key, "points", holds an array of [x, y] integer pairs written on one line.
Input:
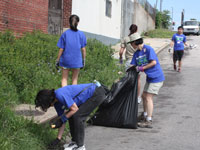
{"points": [[159, 33]]}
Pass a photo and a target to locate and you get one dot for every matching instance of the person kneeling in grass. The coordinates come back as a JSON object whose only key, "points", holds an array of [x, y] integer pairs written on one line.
{"points": [[81, 100], [145, 60]]}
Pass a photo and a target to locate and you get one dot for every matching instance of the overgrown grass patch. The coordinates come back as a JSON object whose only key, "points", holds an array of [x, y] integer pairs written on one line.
{"points": [[159, 33]]}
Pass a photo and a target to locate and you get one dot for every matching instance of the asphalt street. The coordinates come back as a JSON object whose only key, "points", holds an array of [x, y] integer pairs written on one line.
{"points": [[176, 118]]}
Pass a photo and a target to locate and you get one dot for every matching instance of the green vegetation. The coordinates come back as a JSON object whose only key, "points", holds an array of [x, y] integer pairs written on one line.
{"points": [[27, 64], [159, 33], [163, 19]]}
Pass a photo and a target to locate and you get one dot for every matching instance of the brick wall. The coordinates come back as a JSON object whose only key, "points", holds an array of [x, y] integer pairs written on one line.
{"points": [[67, 10], [24, 15]]}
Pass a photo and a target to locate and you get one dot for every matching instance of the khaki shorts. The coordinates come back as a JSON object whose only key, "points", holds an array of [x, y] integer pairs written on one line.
{"points": [[153, 88]]}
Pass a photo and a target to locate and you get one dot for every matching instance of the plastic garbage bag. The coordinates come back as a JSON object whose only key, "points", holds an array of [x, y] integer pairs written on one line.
{"points": [[120, 107]]}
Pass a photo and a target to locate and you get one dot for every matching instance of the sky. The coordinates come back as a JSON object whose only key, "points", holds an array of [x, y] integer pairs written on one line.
{"points": [[191, 7]]}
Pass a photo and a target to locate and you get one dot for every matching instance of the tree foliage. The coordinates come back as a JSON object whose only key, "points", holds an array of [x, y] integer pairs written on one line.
{"points": [[163, 19]]}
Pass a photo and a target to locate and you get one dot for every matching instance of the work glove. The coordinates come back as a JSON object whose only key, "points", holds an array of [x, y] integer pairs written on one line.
{"points": [[54, 143], [170, 49], [57, 64], [57, 124], [83, 61], [120, 60], [140, 69]]}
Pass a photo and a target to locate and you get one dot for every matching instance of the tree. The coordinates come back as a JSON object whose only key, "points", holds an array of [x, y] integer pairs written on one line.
{"points": [[163, 19]]}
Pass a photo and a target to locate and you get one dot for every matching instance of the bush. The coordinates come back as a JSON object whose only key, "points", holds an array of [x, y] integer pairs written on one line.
{"points": [[29, 63]]}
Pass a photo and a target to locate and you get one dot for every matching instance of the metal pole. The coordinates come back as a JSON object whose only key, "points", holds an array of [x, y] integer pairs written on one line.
{"points": [[182, 17], [156, 4], [161, 1]]}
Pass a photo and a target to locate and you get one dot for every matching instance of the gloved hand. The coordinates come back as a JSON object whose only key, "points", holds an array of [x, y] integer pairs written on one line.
{"points": [[83, 61], [140, 68], [120, 60], [57, 64], [57, 124], [54, 143], [170, 49]]}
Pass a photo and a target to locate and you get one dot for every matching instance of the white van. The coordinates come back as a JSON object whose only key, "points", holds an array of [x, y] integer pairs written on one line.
{"points": [[191, 27]]}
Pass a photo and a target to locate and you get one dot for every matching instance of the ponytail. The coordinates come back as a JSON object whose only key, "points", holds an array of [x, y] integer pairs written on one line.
{"points": [[133, 29], [73, 22]]}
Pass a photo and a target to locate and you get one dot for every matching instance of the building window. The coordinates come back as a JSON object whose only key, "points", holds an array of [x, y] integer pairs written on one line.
{"points": [[108, 8]]}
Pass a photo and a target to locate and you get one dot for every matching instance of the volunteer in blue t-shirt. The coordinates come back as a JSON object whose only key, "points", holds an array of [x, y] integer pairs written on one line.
{"points": [[73, 103], [72, 51], [178, 41], [145, 60]]}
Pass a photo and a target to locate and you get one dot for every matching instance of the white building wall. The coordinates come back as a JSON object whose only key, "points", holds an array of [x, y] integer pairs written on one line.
{"points": [[93, 17]]}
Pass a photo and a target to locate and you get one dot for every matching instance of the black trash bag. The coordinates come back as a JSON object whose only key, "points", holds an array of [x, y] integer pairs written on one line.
{"points": [[120, 107]]}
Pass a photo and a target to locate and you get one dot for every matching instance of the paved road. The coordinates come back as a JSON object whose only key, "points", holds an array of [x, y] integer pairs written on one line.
{"points": [[176, 117]]}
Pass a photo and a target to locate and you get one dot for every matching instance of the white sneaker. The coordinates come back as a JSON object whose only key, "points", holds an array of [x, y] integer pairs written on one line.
{"points": [[139, 99], [70, 146], [79, 148]]}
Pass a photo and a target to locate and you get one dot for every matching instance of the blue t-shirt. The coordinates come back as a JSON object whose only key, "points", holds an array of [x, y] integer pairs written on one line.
{"points": [[179, 40], [142, 58], [65, 97], [72, 42]]}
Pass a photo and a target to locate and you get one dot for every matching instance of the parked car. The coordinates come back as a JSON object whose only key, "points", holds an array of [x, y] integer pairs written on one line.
{"points": [[191, 27]]}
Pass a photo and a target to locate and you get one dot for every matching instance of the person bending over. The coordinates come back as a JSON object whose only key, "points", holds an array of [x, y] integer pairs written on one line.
{"points": [[80, 100]]}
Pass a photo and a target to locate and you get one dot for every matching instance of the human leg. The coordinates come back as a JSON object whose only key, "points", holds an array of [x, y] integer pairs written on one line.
{"points": [[72, 144], [150, 90], [149, 105], [139, 86], [180, 55], [175, 59], [84, 110], [75, 73], [65, 73]]}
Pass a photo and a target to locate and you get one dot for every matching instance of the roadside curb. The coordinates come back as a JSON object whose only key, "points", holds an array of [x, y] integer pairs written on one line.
{"points": [[162, 48]]}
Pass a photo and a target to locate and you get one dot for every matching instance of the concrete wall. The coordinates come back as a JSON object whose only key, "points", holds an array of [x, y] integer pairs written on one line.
{"points": [[142, 19], [127, 17], [93, 19]]}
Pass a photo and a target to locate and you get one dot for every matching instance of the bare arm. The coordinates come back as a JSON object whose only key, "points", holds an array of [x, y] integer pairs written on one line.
{"points": [[121, 52], [149, 65], [72, 110], [59, 54], [83, 52], [186, 44], [172, 44]]}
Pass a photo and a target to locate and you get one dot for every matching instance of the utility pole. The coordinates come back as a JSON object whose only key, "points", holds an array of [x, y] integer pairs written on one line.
{"points": [[182, 17], [161, 2], [156, 4]]}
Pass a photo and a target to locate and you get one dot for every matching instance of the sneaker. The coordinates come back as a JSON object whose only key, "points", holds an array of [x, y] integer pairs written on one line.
{"points": [[141, 118], [70, 146], [179, 69], [146, 124], [139, 99], [79, 148]]}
